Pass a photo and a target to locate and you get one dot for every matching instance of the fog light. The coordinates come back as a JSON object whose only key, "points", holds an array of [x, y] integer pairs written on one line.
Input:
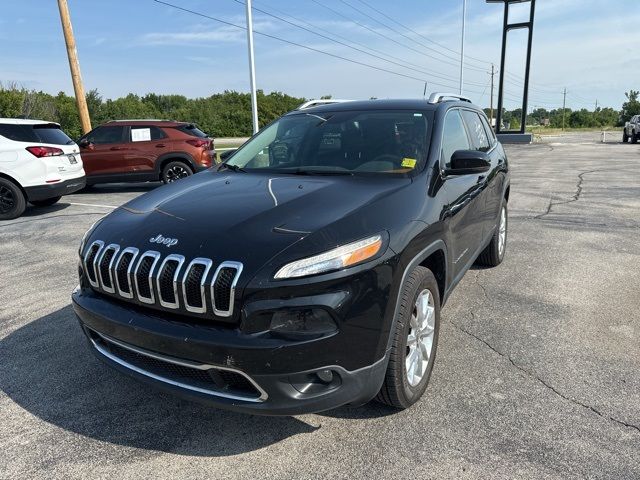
{"points": [[307, 322], [325, 375]]}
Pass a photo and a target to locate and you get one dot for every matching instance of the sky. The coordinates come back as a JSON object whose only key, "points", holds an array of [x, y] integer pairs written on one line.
{"points": [[388, 49]]}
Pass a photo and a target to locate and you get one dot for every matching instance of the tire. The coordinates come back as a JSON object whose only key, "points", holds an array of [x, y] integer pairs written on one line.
{"points": [[634, 137], [46, 202], [493, 254], [176, 170], [12, 200], [400, 388], [625, 137]]}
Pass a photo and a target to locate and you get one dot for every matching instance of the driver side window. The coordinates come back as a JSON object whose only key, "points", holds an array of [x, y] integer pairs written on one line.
{"points": [[454, 137]]}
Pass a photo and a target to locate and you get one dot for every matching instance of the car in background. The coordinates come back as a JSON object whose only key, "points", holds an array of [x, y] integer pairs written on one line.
{"points": [[38, 164], [145, 150], [632, 130]]}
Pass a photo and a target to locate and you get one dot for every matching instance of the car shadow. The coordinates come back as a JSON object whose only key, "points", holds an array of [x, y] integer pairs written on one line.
{"points": [[48, 370], [34, 211], [103, 188]]}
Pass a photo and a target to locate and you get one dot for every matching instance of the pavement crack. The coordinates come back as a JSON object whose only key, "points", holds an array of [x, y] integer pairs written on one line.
{"points": [[574, 198], [543, 382]]}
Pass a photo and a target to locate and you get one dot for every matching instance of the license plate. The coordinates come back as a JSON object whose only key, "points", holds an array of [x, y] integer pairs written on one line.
{"points": [[72, 159]]}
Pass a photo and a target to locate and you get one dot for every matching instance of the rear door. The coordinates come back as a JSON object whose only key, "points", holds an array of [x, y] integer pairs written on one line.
{"points": [[105, 152], [465, 205], [146, 144]]}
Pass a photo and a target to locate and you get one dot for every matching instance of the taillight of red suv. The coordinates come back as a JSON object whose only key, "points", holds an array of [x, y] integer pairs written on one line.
{"points": [[206, 144]]}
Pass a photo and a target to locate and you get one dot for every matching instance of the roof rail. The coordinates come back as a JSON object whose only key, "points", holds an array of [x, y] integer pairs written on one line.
{"points": [[322, 101], [437, 97], [139, 120]]}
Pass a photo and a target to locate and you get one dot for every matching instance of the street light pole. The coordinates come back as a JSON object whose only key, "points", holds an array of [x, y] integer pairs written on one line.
{"points": [[252, 68], [464, 15]]}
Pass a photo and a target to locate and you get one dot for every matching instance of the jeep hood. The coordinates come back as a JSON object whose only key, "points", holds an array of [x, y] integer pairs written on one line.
{"points": [[238, 216]]}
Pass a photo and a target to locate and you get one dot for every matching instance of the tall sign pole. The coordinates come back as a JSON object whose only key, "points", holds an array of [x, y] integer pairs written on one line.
{"points": [[507, 27], [464, 19], [493, 74], [252, 68], [76, 78]]}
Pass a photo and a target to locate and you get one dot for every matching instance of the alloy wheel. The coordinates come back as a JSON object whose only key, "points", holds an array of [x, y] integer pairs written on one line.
{"points": [[176, 173], [502, 232], [420, 338], [7, 199]]}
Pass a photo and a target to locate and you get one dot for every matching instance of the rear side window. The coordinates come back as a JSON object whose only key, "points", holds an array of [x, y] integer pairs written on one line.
{"points": [[39, 133], [146, 134], [454, 137], [478, 134], [191, 130], [111, 134]]}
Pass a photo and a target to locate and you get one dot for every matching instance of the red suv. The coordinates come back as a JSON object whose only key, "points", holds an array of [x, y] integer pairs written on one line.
{"points": [[145, 150]]}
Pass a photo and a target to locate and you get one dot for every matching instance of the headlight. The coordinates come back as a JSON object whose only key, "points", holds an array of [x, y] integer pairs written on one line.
{"points": [[336, 259]]}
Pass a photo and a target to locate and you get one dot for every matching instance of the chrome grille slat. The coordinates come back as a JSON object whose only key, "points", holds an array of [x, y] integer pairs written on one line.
{"points": [[120, 288], [148, 278], [92, 256], [228, 299], [206, 263], [179, 259], [107, 283]]}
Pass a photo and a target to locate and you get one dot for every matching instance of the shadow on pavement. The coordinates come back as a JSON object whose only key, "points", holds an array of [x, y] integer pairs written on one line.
{"points": [[48, 370]]}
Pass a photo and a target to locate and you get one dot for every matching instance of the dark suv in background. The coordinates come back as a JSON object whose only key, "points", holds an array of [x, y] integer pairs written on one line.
{"points": [[145, 150], [345, 228]]}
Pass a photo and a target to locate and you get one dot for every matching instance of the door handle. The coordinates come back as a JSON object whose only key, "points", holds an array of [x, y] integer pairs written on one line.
{"points": [[160, 145], [116, 148]]}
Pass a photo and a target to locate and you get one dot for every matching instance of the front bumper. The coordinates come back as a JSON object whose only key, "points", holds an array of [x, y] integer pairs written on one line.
{"points": [[43, 192], [156, 349]]}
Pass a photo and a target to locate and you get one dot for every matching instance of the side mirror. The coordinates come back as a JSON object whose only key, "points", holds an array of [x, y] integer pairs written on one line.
{"points": [[469, 162], [84, 143]]}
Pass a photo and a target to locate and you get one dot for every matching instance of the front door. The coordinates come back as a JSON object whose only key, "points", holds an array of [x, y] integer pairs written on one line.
{"points": [[464, 197], [103, 150]]}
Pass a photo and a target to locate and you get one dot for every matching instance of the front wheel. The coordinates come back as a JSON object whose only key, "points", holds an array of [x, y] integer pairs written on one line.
{"points": [[12, 200], [625, 137], [493, 254], [634, 137], [414, 340], [173, 171], [46, 202]]}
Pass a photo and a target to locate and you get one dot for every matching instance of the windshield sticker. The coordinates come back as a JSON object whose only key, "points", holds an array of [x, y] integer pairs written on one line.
{"points": [[409, 162], [140, 134]]}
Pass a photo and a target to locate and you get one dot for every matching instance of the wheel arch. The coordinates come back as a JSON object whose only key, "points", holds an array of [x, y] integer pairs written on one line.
{"points": [[174, 157], [16, 182]]}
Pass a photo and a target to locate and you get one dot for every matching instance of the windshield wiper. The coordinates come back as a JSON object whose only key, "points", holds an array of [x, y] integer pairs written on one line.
{"points": [[234, 168]]}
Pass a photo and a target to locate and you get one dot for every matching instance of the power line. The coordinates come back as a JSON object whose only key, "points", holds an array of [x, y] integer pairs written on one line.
{"points": [[455, 63], [392, 61], [306, 47], [419, 34]]}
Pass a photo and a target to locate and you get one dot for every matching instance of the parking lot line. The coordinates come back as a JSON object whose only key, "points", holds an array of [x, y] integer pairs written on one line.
{"points": [[93, 205]]}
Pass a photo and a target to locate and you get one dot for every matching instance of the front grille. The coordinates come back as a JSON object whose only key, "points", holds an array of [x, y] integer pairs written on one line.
{"points": [[204, 378], [163, 282]]}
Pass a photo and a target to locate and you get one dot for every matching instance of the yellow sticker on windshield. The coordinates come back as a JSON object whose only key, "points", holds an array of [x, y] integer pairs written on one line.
{"points": [[409, 162]]}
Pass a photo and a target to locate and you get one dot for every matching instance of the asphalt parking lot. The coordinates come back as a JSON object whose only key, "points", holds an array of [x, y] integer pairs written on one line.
{"points": [[537, 375]]}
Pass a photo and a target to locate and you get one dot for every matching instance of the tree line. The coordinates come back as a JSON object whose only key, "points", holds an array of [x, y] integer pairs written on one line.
{"points": [[228, 114]]}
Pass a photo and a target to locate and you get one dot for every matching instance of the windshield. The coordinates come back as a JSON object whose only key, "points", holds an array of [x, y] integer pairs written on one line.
{"points": [[384, 142]]}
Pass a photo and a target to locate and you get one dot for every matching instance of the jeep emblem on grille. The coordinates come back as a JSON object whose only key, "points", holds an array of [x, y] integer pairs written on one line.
{"points": [[168, 242]]}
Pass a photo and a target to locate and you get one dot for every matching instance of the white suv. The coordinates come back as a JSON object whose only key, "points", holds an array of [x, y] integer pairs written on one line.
{"points": [[38, 164]]}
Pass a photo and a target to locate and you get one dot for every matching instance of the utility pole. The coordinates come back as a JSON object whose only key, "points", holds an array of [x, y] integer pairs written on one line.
{"points": [[464, 16], [252, 68], [76, 78], [564, 104], [493, 73], [596, 104]]}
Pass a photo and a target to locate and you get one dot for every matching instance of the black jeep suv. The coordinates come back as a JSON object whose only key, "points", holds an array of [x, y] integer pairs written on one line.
{"points": [[307, 271]]}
